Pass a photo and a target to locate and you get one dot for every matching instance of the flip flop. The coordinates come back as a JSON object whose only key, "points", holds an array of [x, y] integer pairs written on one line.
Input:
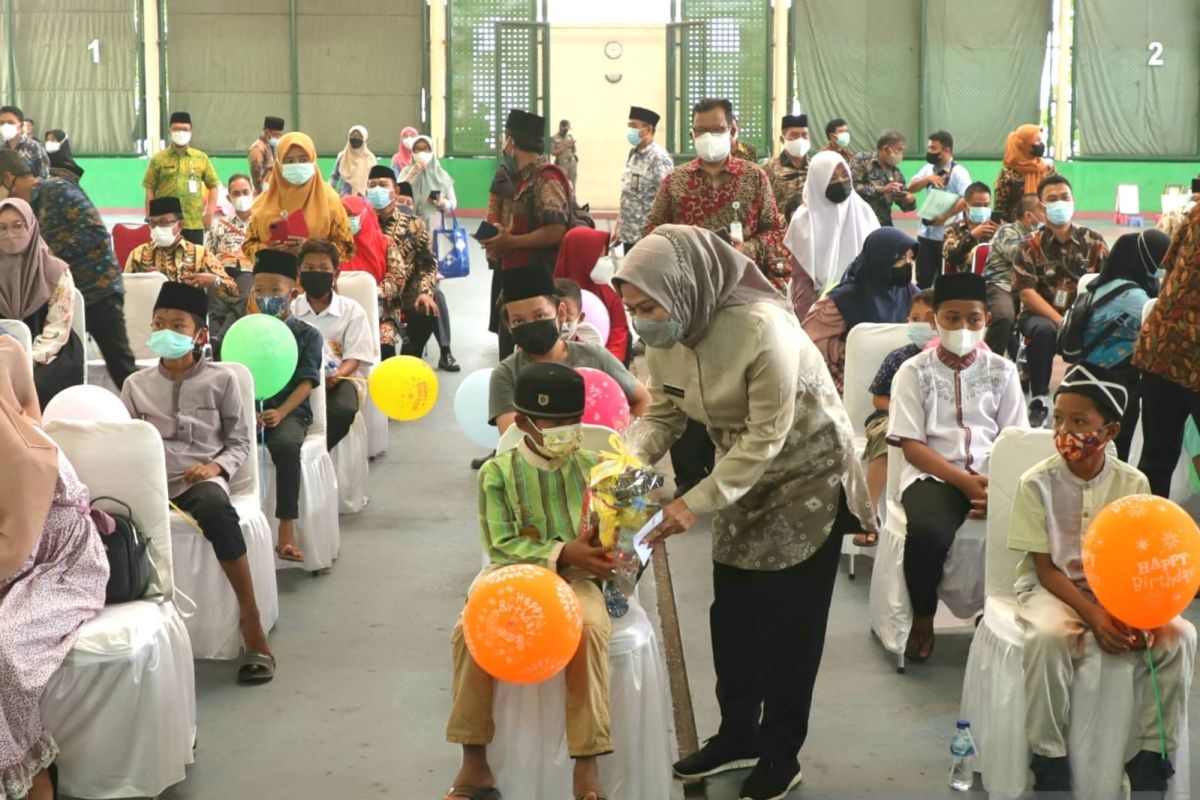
{"points": [[472, 793], [289, 552], [911, 652], [256, 668], [866, 539]]}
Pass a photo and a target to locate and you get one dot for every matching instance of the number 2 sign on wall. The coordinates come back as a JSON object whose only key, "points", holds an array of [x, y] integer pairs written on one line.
{"points": [[1156, 51]]}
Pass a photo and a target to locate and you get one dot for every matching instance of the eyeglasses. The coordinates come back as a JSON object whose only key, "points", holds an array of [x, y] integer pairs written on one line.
{"points": [[16, 229]]}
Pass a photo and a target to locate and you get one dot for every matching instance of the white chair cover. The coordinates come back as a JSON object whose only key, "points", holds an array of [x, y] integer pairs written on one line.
{"points": [[360, 286], [79, 325], [352, 454], [123, 705], [141, 292], [961, 589], [1103, 696], [19, 330], [214, 627], [1086, 280], [317, 530]]}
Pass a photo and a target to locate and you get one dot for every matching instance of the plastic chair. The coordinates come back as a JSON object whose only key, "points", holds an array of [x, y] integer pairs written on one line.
{"points": [[122, 707], [79, 326], [214, 628], [18, 330], [993, 694], [361, 287], [979, 257], [317, 529], [126, 237], [141, 292], [351, 456], [960, 593]]}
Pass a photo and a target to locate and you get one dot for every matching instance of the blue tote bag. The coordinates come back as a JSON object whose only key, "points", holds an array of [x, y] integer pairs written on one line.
{"points": [[455, 262]]}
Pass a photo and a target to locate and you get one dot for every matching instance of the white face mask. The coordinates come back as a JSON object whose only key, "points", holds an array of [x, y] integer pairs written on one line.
{"points": [[181, 138], [409, 142], [243, 203], [10, 131], [424, 158], [960, 342], [562, 441], [797, 148], [714, 147], [604, 270], [52, 147], [843, 138], [163, 236]]}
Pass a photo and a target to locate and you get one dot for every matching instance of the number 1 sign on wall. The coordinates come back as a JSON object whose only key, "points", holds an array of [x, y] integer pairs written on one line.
{"points": [[94, 47]]}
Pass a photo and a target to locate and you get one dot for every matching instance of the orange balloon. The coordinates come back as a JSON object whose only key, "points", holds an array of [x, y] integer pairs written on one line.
{"points": [[1141, 556], [522, 623]]}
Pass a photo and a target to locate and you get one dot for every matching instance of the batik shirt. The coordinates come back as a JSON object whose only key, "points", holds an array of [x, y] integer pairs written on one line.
{"points": [[958, 244], [870, 175], [740, 193], [543, 197], [1054, 268], [75, 232], [787, 180], [1010, 186], [35, 156], [180, 261], [261, 158], [645, 170], [225, 238], [175, 174], [409, 235], [1169, 345]]}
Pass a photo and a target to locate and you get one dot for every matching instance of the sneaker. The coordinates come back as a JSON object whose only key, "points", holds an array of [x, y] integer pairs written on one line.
{"points": [[771, 780], [1038, 411], [713, 759], [1149, 773], [447, 363], [1051, 774]]}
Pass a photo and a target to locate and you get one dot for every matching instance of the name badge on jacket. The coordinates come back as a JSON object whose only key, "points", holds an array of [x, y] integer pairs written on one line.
{"points": [[673, 391]]}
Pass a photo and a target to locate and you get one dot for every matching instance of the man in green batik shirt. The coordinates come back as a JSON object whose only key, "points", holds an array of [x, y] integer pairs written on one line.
{"points": [[184, 172]]}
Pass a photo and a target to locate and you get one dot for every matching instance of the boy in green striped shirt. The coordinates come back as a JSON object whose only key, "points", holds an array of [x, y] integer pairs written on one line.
{"points": [[530, 504]]}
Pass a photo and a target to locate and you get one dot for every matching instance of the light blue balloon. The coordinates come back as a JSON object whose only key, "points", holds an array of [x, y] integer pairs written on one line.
{"points": [[471, 409]]}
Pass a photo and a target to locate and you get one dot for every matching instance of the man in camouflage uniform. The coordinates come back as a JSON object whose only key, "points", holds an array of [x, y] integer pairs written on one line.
{"points": [[789, 170], [878, 179]]}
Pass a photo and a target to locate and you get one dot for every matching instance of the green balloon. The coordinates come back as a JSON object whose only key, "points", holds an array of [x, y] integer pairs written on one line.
{"points": [[264, 345]]}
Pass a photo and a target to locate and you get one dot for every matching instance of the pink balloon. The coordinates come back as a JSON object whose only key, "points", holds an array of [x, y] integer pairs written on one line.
{"points": [[86, 403], [596, 314], [604, 400]]}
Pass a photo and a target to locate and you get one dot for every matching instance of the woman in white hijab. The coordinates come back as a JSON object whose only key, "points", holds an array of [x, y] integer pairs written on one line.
{"points": [[724, 348], [827, 232]]}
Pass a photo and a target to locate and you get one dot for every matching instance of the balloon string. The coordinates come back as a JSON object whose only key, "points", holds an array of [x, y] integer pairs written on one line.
{"points": [[1162, 728], [262, 459]]}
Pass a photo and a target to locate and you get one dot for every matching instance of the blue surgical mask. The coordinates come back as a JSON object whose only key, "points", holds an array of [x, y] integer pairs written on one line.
{"points": [[170, 344], [274, 141], [658, 333], [355, 225], [380, 197], [919, 333], [299, 174], [633, 136], [978, 214], [273, 306], [1060, 212]]}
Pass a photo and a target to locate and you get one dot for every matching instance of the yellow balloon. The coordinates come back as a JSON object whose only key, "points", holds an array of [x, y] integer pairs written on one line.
{"points": [[404, 387]]}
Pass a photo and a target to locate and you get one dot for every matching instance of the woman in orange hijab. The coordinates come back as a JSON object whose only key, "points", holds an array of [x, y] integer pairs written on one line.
{"points": [[297, 187], [1024, 167]]}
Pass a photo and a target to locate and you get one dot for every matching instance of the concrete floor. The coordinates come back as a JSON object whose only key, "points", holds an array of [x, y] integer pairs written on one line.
{"points": [[359, 704]]}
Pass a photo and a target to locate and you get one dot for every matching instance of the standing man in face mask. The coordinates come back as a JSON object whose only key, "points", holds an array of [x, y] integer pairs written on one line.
{"points": [[942, 172], [174, 256], [878, 179], [12, 123], [837, 132], [789, 170], [1046, 280], [647, 165], [562, 147], [262, 152], [184, 172]]}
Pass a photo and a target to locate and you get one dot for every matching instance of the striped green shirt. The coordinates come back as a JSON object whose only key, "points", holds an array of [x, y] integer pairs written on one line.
{"points": [[515, 493]]}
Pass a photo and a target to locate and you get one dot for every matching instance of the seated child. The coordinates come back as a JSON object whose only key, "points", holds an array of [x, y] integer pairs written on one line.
{"points": [[520, 525], [1055, 500], [575, 328], [949, 403], [535, 316], [287, 415], [920, 331], [197, 408], [349, 340]]}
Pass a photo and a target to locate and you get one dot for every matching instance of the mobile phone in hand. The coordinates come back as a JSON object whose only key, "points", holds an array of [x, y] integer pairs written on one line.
{"points": [[1195, 185], [485, 231], [998, 217], [435, 195]]}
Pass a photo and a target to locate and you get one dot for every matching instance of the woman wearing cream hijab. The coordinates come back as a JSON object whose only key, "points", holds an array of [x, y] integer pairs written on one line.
{"points": [[725, 349], [353, 164]]}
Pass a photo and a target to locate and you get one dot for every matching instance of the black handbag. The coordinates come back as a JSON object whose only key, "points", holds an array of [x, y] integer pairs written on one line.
{"points": [[129, 569]]}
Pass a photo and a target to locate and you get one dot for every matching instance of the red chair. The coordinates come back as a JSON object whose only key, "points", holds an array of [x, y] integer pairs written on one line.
{"points": [[979, 257], [126, 237]]}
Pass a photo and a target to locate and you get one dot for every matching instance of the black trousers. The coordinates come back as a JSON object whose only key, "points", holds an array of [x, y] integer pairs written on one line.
{"points": [[1004, 318], [65, 371], [284, 442], [692, 455], [1168, 406], [441, 327], [768, 635], [209, 505], [929, 261], [341, 404], [106, 324], [1039, 351], [935, 511], [418, 327], [1131, 378], [194, 235]]}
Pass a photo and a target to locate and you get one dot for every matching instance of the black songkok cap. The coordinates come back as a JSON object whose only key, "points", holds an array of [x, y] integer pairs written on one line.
{"points": [[165, 205], [181, 297], [547, 390], [644, 115], [522, 283], [794, 121], [181, 116], [276, 262], [273, 123], [959, 286]]}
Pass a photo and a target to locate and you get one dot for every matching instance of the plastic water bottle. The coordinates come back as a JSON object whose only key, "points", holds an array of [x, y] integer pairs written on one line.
{"points": [[962, 758], [625, 571]]}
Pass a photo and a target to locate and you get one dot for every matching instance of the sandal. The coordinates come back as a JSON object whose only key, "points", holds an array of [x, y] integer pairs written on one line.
{"points": [[256, 668], [471, 793], [592, 796], [289, 552], [912, 652], [866, 539]]}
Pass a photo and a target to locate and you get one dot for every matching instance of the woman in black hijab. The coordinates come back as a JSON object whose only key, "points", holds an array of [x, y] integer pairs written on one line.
{"points": [[62, 163]]}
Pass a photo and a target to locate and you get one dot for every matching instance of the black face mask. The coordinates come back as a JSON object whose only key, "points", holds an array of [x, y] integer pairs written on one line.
{"points": [[1039, 149], [537, 338], [838, 191], [356, 143], [933, 158], [316, 284], [902, 276]]}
